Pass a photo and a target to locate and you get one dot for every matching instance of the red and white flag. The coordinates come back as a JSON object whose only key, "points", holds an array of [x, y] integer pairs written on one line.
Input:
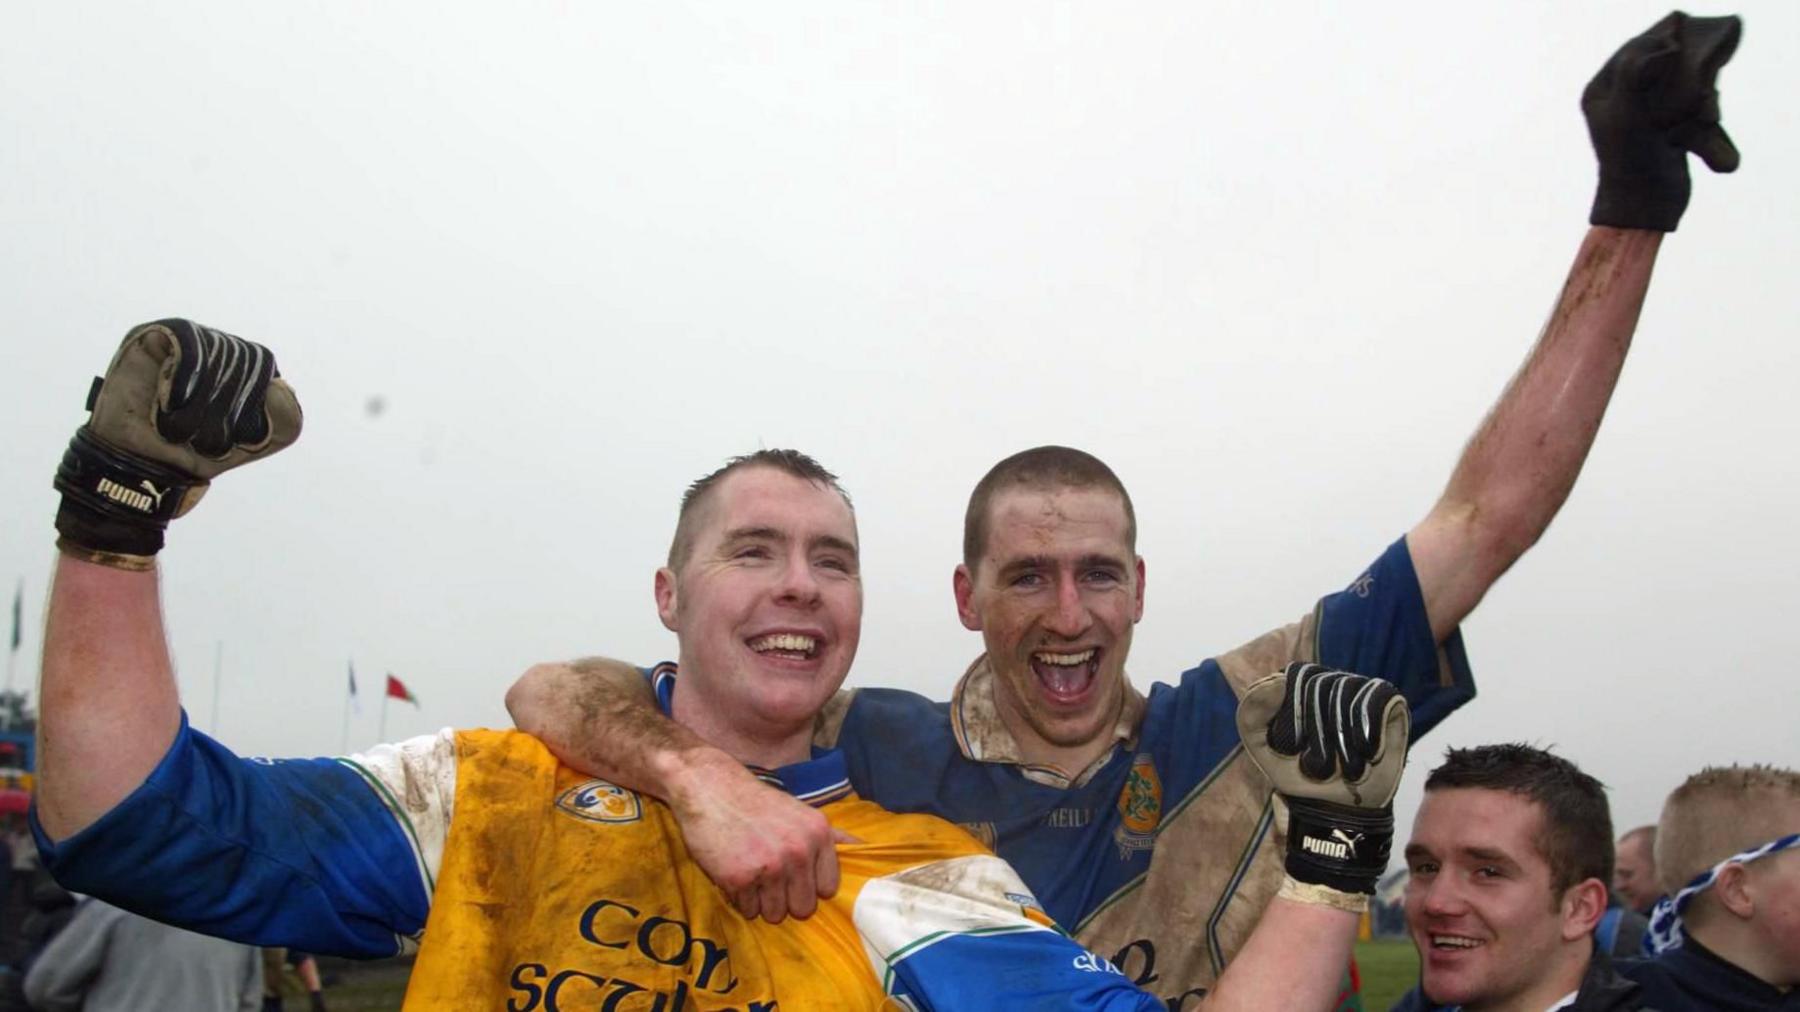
{"points": [[396, 689]]}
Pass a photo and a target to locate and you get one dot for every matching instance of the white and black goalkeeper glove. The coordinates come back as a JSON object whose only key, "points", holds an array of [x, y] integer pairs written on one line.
{"points": [[1333, 743], [179, 404]]}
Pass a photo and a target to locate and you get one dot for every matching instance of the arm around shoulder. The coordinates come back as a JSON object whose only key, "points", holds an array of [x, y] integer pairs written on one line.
{"points": [[771, 853]]}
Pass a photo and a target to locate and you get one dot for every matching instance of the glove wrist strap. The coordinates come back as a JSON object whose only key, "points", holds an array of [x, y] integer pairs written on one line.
{"points": [[1322, 896], [1624, 202], [116, 560], [116, 503], [1337, 846]]}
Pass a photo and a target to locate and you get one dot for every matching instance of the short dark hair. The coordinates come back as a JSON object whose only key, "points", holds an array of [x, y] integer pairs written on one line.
{"points": [[1039, 468], [1577, 840], [791, 462]]}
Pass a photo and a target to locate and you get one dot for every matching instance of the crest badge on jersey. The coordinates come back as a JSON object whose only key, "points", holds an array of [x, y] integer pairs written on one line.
{"points": [[1140, 808], [601, 801]]}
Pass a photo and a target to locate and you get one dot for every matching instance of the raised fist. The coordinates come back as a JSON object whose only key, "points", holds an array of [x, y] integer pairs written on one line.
{"points": [[1333, 744], [1654, 101], [179, 404]]}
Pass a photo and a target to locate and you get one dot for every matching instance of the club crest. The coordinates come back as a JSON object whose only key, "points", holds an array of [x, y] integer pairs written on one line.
{"points": [[1140, 808], [601, 801]]}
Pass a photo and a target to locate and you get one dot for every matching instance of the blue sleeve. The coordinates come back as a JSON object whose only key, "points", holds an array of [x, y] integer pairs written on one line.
{"points": [[1377, 626], [1039, 969], [302, 853], [964, 932]]}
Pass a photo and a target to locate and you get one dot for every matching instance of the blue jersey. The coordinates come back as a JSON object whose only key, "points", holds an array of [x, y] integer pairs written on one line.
{"points": [[1161, 855]]}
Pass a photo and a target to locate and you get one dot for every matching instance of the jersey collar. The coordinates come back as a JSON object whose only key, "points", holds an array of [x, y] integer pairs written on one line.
{"points": [[817, 781], [983, 737]]}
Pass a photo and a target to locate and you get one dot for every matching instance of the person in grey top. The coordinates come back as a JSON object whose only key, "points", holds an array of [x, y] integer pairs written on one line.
{"points": [[110, 960]]}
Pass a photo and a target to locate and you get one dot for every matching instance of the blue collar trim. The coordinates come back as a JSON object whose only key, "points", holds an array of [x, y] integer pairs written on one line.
{"points": [[822, 779]]}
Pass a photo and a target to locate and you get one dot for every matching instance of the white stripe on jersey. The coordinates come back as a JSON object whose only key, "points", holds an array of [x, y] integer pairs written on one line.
{"points": [[416, 780]]}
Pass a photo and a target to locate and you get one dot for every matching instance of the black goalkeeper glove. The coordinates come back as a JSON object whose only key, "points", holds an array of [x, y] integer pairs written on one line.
{"points": [[1655, 100], [179, 404], [1334, 744]]}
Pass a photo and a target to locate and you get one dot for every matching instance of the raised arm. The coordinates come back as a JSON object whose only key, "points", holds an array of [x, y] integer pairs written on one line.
{"points": [[1522, 462], [1651, 104], [773, 855], [108, 710], [134, 807], [179, 404], [1333, 744]]}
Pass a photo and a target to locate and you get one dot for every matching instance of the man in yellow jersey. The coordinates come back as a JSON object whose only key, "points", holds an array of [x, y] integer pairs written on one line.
{"points": [[534, 886]]}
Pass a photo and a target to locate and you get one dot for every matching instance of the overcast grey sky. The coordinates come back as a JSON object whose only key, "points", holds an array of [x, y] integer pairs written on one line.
{"points": [[1271, 261]]}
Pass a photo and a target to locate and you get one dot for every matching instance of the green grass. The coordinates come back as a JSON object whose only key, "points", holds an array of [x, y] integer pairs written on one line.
{"points": [[1390, 967], [355, 986]]}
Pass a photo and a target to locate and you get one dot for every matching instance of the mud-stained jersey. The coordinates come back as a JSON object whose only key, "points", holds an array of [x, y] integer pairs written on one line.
{"points": [[537, 889], [1162, 854]]}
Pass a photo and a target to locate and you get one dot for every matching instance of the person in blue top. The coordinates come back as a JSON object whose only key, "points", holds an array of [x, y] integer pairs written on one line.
{"points": [[1133, 815]]}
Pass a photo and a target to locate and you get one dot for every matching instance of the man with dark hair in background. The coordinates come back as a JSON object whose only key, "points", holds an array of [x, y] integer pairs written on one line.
{"points": [[1509, 858]]}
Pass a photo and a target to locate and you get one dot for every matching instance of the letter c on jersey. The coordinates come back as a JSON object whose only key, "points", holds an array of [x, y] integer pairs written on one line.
{"points": [[662, 939], [589, 915]]}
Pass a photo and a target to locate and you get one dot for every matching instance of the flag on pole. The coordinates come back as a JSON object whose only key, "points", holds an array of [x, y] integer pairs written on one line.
{"points": [[396, 689], [18, 613], [353, 701]]}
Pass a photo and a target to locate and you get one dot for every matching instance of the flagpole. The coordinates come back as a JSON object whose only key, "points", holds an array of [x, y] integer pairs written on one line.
{"points": [[383, 735], [12, 653], [349, 687]]}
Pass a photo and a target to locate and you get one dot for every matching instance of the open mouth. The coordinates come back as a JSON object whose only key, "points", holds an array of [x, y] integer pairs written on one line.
{"points": [[786, 646], [1065, 677], [1455, 943]]}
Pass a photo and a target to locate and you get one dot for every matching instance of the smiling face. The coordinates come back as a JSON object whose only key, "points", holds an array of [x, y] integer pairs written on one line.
{"points": [[1055, 595], [1491, 930], [767, 606]]}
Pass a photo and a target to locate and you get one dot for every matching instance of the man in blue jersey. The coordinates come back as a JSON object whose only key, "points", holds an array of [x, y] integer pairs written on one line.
{"points": [[1135, 817], [534, 887]]}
